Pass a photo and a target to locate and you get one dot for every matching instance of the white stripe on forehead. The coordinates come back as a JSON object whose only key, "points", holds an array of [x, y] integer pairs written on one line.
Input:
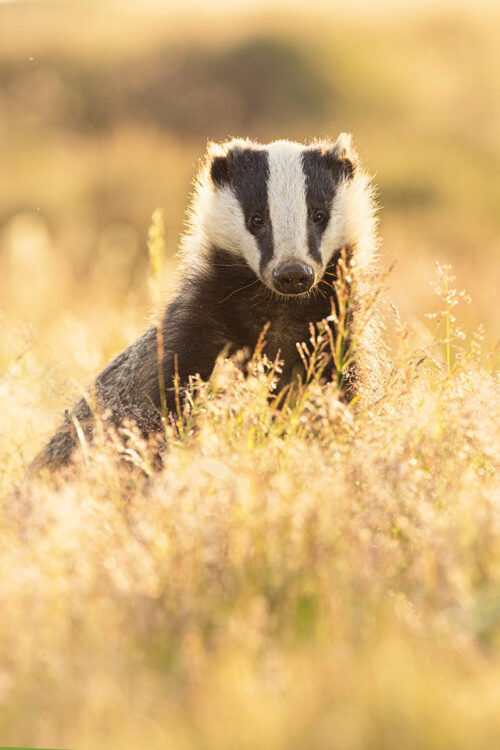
{"points": [[286, 195]]}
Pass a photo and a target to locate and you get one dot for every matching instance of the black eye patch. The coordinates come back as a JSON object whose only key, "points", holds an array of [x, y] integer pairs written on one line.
{"points": [[248, 174], [249, 170], [320, 179], [321, 184]]}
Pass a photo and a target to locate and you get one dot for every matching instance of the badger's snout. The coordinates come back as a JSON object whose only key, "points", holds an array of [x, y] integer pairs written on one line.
{"points": [[292, 277]]}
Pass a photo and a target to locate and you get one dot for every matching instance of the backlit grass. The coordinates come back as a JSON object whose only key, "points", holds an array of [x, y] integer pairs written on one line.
{"points": [[324, 578], [320, 577]]}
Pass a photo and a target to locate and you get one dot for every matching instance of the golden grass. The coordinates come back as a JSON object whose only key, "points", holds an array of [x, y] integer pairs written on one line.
{"points": [[325, 579]]}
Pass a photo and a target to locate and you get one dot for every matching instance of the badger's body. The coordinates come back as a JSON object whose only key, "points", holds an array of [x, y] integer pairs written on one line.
{"points": [[268, 225]]}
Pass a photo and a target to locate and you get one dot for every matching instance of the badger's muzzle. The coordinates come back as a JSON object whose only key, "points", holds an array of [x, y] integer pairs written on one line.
{"points": [[292, 277]]}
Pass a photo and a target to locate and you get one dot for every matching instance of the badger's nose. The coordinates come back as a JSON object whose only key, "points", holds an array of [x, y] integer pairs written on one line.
{"points": [[292, 277]]}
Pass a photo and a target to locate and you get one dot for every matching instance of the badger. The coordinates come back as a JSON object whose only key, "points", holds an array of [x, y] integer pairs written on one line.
{"points": [[266, 230]]}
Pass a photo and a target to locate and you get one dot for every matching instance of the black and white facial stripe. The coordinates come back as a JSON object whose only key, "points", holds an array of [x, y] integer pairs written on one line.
{"points": [[246, 170], [279, 206]]}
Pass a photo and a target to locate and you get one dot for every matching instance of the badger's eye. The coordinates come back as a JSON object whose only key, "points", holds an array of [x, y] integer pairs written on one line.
{"points": [[319, 217], [256, 221]]}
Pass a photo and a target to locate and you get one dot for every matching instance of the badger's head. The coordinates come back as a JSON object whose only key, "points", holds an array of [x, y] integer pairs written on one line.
{"points": [[284, 208]]}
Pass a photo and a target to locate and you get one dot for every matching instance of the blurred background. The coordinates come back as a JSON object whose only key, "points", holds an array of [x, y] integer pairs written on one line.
{"points": [[106, 108]]}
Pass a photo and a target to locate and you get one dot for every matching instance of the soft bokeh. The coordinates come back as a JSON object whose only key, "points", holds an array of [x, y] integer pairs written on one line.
{"points": [[328, 580]]}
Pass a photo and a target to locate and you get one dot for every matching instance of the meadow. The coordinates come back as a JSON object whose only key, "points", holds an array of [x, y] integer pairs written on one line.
{"points": [[325, 577]]}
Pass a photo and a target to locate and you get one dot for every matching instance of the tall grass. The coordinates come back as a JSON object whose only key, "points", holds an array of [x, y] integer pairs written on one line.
{"points": [[324, 576], [302, 573]]}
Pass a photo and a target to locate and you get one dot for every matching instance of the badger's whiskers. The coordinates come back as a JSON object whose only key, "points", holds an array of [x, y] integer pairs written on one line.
{"points": [[240, 289]]}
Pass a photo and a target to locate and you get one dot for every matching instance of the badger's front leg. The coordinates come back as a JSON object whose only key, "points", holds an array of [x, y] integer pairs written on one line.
{"points": [[129, 387]]}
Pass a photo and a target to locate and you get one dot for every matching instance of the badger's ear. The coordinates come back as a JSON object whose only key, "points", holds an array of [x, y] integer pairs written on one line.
{"points": [[343, 157], [219, 170]]}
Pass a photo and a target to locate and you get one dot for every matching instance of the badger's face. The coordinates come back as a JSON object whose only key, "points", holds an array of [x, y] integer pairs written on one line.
{"points": [[281, 208]]}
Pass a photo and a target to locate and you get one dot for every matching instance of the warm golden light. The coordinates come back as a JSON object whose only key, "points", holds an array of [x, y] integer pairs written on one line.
{"points": [[327, 579]]}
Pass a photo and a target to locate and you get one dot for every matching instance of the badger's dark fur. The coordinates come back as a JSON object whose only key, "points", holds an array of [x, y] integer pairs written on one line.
{"points": [[257, 210]]}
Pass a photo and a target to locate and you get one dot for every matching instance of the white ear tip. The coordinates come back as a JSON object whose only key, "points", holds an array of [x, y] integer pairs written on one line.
{"points": [[214, 149], [343, 145]]}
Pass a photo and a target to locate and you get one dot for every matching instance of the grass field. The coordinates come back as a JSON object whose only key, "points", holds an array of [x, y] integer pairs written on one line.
{"points": [[327, 578]]}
